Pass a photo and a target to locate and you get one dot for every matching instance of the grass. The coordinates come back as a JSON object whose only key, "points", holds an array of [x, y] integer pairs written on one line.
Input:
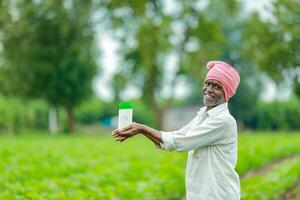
{"points": [[257, 149], [274, 184], [87, 168], [96, 167]]}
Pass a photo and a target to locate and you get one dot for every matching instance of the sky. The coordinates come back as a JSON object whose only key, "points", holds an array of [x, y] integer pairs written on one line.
{"points": [[110, 61]]}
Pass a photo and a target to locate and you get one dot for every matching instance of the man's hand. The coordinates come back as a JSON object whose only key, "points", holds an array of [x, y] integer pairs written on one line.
{"points": [[127, 132]]}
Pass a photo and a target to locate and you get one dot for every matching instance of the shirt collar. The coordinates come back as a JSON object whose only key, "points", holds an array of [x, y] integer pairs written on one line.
{"points": [[215, 110]]}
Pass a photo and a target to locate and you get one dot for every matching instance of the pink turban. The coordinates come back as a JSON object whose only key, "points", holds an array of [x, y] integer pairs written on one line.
{"points": [[226, 74]]}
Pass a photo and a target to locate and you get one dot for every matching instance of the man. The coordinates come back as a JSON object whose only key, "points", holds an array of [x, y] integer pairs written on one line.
{"points": [[210, 139]]}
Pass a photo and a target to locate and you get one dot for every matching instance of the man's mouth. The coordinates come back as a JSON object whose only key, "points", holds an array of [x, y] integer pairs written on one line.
{"points": [[209, 97]]}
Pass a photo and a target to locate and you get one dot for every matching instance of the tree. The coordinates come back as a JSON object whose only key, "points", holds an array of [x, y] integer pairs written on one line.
{"points": [[275, 44], [143, 32], [195, 33], [232, 25], [149, 35], [48, 51]]}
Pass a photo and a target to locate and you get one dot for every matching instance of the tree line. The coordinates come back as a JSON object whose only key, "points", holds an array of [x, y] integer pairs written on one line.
{"points": [[48, 48]]}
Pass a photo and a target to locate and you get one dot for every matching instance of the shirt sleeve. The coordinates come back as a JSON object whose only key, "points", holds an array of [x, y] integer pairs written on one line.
{"points": [[167, 137], [210, 132]]}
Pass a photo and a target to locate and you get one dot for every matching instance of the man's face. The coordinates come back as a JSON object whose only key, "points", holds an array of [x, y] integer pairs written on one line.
{"points": [[213, 93]]}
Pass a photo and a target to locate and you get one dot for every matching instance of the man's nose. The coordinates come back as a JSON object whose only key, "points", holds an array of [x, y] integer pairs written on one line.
{"points": [[209, 88]]}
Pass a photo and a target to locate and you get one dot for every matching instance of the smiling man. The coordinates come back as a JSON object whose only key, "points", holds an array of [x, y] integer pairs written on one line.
{"points": [[210, 139]]}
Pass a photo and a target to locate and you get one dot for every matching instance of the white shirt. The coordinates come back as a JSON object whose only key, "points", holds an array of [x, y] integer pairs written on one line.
{"points": [[211, 139]]}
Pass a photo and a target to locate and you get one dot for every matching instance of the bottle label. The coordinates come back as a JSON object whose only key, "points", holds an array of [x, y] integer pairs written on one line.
{"points": [[125, 118]]}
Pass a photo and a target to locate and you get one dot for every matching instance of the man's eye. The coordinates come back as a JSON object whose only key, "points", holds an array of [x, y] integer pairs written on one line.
{"points": [[217, 87]]}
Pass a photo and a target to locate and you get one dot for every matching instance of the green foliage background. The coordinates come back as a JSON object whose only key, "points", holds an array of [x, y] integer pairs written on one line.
{"points": [[96, 167]]}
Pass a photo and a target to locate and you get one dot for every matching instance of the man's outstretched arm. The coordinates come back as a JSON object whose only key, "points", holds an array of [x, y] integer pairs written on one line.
{"points": [[134, 129]]}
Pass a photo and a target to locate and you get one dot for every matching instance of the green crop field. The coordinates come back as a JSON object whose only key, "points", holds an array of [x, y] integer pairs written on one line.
{"points": [[97, 167]]}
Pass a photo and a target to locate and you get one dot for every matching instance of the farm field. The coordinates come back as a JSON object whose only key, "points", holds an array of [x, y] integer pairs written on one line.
{"points": [[97, 167]]}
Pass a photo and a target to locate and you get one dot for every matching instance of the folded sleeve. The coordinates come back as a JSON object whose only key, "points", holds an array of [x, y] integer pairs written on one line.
{"points": [[210, 132], [168, 141], [168, 137]]}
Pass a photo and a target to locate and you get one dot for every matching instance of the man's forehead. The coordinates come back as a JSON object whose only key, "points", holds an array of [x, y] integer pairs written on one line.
{"points": [[213, 81]]}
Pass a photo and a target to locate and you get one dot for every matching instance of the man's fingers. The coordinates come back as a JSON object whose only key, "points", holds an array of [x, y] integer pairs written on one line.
{"points": [[120, 138], [126, 133], [122, 134], [114, 134], [125, 128], [119, 133]]}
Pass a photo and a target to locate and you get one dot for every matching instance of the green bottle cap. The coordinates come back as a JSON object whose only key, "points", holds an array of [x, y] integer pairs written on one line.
{"points": [[125, 105]]}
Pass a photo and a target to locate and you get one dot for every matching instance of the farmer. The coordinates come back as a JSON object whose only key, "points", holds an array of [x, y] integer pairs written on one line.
{"points": [[210, 139]]}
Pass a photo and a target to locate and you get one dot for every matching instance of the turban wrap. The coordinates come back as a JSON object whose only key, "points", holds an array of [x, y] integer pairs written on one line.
{"points": [[226, 75]]}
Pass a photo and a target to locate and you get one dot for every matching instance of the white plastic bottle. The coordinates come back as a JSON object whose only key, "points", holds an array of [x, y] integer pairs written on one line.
{"points": [[125, 114]]}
